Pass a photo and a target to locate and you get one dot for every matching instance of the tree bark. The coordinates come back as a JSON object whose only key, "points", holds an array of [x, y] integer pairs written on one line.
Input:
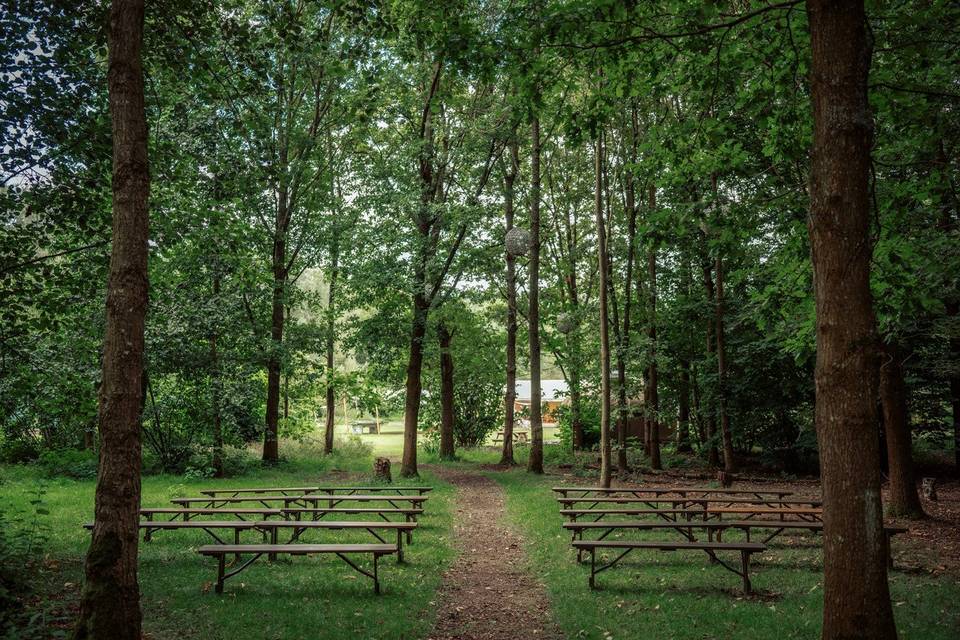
{"points": [[510, 397], [623, 342], [683, 417], [277, 318], [110, 602], [535, 462], [330, 422], [653, 397], [411, 412], [855, 591], [216, 390], [729, 461], [447, 451], [713, 456], [903, 499], [604, 322]]}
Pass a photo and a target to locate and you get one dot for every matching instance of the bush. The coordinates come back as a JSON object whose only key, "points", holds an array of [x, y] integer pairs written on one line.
{"points": [[70, 463], [21, 540], [19, 451], [236, 462], [589, 418]]}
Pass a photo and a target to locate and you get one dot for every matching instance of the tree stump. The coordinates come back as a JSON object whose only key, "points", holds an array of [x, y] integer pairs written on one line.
{"points": [[381, 470], [725, 479], [929, 486]]}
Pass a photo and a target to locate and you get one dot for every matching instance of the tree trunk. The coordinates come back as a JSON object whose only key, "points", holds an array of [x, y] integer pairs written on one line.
{"points": [[903, 500], [653, 408], [216, 391], [623, 342], [110, 602], [697, 411], [683, 418], [855, 590], [510, 397], [535, 462], [604, 323], [270, 445], [447, 451], [729, 462], [953, 311], [411, 411], [713, 456], [330, 422]]}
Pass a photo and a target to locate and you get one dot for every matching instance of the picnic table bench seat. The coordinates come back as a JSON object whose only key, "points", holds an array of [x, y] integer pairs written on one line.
{"points": [[398, 489], [314, 499], [745, 549], [409, 514], [273, 527], [188, 513], [689, 501], [256, 551], [598, 514], [681, 491], [711, 527]]}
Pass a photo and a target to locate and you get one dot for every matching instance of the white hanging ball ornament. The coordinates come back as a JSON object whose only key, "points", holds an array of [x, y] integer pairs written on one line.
{"points": [[565, 323], [517, 241]]}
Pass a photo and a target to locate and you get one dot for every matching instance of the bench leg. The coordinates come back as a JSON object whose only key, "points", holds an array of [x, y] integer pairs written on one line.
{"points": [[274, 532], [376, 575], [399, 546], [410, 531], [745, 562], [593, 567], [221, 567], [146, 532], [236, 540]]}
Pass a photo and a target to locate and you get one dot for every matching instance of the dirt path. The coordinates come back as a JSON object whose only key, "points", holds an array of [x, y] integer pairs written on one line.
{"points": [[487, 594]]}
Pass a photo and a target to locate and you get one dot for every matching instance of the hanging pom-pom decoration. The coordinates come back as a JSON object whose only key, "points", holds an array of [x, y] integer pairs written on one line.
{"points": [[517, 241], [566, 323]]}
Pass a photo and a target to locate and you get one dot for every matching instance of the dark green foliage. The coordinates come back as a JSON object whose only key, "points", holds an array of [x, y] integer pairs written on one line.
{"points": [[69, 463], [589, 416]]}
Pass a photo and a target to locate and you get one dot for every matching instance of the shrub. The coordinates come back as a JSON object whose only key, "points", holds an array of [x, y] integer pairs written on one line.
{"points": [[70, 463], [21, 540], [18, 451], [589, 418]]}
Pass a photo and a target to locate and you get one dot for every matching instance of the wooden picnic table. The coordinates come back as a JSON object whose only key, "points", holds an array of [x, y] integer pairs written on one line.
{"points": [[712, 527], [187, 513], [304, 500], [683, 492], [409, 514], [521, 437], [682, 502], [272, 528], [221, 551], [810, 514], [398, 489]]}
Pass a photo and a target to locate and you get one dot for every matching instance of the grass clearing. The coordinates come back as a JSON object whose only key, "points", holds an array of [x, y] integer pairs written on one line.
{"points": [[680, 596], [303, 597]]}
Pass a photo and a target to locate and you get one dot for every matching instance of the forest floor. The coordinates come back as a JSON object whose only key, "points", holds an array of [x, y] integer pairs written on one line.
{"points": [[488, 593], [490, 560]]}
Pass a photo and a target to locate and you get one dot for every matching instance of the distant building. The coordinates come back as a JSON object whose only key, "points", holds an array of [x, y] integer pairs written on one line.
{"points": [[553, 394]]}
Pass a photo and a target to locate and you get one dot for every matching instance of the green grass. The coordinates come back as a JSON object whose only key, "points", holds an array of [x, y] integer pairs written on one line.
{"points": [[681, 596], [301, 597]]}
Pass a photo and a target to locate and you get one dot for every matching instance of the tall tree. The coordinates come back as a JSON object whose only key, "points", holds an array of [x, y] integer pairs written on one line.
{"points": [[855, 592], [510, 173], [904, 500], [110, 603], [653, 375], [605, 462], [444, 336], [535, 461]]}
